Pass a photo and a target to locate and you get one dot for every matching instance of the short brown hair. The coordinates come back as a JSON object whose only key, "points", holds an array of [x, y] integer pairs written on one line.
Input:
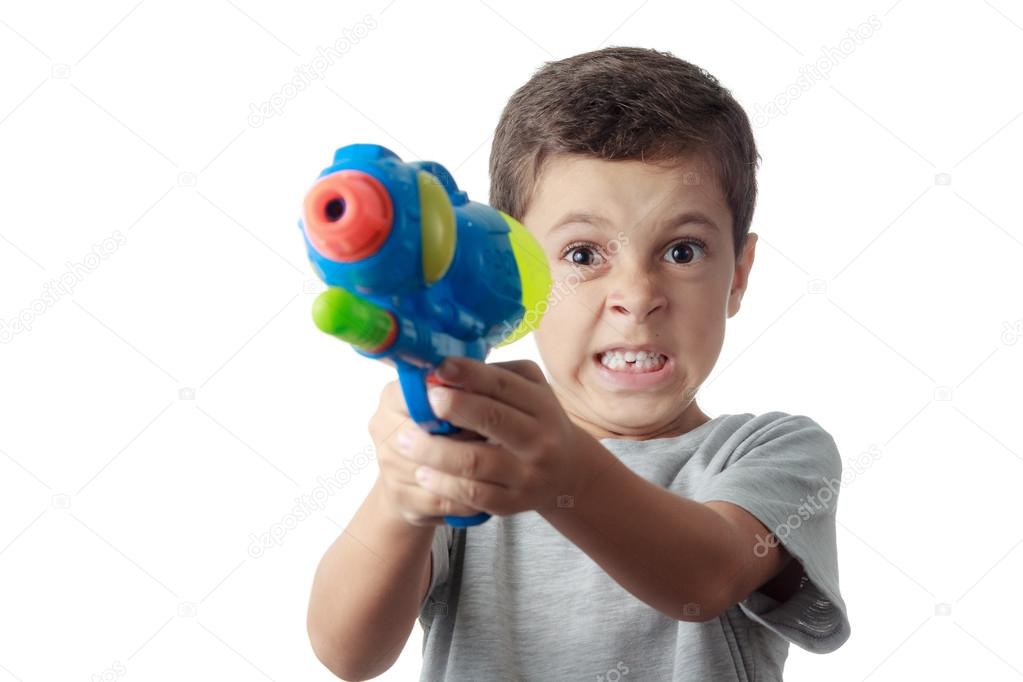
{"points": [[622, 103]]}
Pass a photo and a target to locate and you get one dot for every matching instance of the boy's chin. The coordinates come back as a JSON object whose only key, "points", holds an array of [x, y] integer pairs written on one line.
{"points": [[631, 413]]}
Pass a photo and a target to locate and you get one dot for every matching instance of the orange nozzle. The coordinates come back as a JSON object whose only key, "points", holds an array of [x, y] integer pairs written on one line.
{"points": [[348, 215]]}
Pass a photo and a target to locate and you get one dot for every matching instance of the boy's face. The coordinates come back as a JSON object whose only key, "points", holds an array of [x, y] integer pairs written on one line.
{"points": [[622, 278]]}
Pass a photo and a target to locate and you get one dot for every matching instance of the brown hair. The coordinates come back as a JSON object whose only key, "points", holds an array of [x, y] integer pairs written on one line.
{"points": [[622, 103]]}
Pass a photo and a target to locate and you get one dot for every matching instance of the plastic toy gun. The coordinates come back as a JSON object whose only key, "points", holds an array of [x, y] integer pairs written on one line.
{"points": [[417, 272]]}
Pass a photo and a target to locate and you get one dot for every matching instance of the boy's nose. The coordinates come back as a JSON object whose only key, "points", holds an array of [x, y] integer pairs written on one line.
{"points": [[637, 297], [639, 310]]}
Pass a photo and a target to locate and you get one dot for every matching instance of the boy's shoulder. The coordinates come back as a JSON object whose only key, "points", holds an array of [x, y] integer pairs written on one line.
{"points": [[782, 437]]}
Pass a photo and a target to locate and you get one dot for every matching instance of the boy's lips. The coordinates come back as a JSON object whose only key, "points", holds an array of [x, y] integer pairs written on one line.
{"points": [[631, 379]]}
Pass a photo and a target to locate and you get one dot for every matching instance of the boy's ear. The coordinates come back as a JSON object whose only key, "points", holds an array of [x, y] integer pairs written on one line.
{"points": [[741, 277]]}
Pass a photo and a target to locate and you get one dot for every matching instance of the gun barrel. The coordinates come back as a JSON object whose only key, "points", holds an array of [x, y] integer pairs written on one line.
{"points": [[348, 215]]}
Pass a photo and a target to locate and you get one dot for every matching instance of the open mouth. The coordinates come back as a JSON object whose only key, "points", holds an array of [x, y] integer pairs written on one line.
{"points": [[630, 362]]}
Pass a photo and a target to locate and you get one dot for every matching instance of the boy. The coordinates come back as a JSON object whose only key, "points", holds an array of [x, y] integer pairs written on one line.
{"points": [[633, 536]]}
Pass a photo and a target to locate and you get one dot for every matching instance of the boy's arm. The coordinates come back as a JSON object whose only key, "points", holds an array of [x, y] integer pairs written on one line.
{"points": [[770, 569], [367, 590], [689, 560]]}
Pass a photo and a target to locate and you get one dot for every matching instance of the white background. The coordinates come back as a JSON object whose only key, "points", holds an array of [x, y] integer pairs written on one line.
{"points": [[175, 401]]}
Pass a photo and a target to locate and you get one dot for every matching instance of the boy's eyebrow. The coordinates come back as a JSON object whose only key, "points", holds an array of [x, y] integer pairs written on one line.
{"points": [[685, 218]]}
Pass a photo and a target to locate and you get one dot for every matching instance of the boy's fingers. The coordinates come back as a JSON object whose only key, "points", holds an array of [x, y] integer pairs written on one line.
{"points": [[429, 504], [525, 368], [393, 397], [472, 460], [466, 434], [414, 497], [507, 383], [494, 419]]}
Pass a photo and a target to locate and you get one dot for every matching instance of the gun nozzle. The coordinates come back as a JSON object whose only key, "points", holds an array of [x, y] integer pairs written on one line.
{"points": [[357, 321], [348, 215]]}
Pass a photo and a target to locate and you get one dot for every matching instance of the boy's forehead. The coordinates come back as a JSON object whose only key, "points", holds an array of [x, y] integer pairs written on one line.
{"points": [[579, 184], [585, 163]]}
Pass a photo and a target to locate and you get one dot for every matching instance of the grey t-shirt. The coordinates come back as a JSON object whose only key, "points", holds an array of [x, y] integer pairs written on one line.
{"points": [[513, 599]]}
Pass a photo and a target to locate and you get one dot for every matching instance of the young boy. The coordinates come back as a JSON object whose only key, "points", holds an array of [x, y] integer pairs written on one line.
{"points": [[632, 536]]}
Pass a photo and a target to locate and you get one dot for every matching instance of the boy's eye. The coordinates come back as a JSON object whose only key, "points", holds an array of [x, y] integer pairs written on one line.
{"points": [[680, 253], [580, 254]]}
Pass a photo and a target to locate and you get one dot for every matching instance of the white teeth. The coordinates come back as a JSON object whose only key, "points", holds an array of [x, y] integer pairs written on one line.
{"points": [[642, 361]]}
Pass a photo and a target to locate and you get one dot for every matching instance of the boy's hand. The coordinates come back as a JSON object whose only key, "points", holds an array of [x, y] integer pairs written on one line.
{"points": [[406, 498], [527, 447]]}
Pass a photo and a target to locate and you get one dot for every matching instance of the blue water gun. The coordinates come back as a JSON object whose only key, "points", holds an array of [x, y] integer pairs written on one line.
{"points": [[416, 272]]}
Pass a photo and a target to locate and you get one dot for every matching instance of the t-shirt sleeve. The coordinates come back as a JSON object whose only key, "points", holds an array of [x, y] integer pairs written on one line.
{"points": [[788, 474]]}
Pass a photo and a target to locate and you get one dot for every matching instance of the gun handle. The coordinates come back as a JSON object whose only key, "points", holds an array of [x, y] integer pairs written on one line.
{"points": [[414, 382]]}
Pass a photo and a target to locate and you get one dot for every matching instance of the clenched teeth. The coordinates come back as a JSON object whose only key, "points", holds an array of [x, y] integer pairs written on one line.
{"points": [[644, 361]]}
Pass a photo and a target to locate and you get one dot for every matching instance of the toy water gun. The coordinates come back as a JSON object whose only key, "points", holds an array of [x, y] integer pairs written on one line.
{"points": [[417, 272]]}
